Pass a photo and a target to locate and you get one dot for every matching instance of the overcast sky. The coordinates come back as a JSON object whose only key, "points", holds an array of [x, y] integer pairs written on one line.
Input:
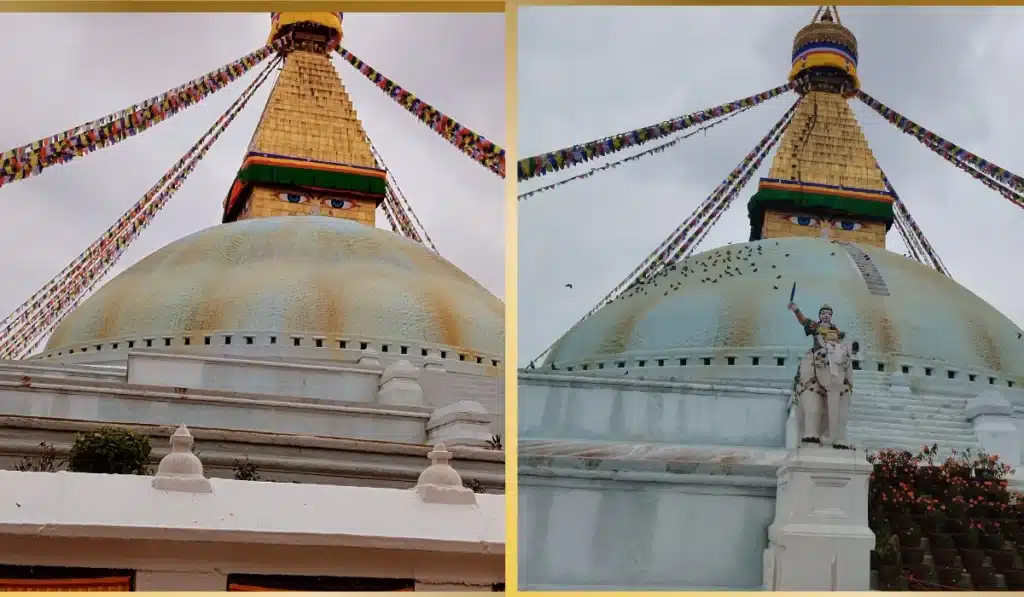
{"points": [[91, 65], [589, 72]]}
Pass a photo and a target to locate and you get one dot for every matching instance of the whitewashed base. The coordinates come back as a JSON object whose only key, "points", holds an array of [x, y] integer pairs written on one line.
{"points": [[820, 540]]}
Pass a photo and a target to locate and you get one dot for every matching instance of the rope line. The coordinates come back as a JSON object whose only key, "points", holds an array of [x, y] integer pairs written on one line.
{"points": [[113, 245], [31, 159], [56, 283], [656, 149], [476, 146], [402, 203], [568, 157], [949, 151], [917, 233], [679, 240]]}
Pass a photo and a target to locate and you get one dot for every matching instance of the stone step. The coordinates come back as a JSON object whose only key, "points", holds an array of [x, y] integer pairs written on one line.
{"points": [[908, 400], [910, 418], [876, 441], [936, 433], [876, 404]]}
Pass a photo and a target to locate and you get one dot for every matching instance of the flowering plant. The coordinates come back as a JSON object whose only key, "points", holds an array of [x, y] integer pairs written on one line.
{"points": [[965, 493]]}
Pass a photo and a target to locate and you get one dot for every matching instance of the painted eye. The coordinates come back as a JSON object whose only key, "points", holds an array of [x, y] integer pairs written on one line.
{"points": [[338, 204], [851, 226], [803, 220], [293, 197]]}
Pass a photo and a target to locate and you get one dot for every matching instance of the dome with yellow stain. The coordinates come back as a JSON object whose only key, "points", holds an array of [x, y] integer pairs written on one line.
{"points": [[324, 280], [734, 298]]}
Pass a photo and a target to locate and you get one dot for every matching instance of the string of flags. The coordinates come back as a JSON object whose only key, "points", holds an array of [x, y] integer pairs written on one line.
{"points": [[678, 242], [22, 162], [702, 231], [42, 316], [407, 229], [401, 206], [743, 172], [937, 143], [612, 165], [918, 233], [554, 161], [1007, 194], [55, 284], [476, 146], [912, 244], [659, 256]]}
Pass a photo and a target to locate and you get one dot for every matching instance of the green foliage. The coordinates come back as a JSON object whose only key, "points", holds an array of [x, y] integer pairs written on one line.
{"points": [[110, 450], [46, 462], [246, 471], [475, 485]]}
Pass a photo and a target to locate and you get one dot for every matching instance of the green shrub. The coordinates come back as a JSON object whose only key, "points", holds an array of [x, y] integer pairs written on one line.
{"points": [[110, 450]]}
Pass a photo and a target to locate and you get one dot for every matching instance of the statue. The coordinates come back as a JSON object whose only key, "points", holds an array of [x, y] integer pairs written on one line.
{"points": [[824, 382]]}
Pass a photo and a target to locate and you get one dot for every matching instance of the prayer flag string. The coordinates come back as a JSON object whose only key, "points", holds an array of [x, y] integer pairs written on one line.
{"points": [[901, 208], [402, 205], [612, 165], [726, 201], [29, 160], [679, 241], [476, 146], [554, 161], [948, 149], [1007, 194], [41, 314]]}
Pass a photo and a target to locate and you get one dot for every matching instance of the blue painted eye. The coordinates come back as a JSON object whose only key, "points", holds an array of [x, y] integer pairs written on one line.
{"points": [[292, 197], [803, 220], [339, 204], [850, 225]]}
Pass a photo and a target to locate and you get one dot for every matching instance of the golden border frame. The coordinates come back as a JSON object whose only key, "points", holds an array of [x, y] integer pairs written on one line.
{"points": [[267, 6]]}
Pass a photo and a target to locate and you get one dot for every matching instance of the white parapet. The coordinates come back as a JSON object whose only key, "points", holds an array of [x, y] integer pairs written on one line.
{"points": [[820, 539], [991, 416]]}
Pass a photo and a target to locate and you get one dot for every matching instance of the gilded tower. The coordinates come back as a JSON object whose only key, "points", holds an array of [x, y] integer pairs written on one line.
{"points": [[824, 181], [309, 154]]}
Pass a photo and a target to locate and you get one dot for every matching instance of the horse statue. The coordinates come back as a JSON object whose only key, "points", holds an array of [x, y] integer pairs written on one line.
{"points": [[820, 402]]}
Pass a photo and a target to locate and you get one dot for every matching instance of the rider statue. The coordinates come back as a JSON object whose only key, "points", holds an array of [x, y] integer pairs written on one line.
{"points": [[824, 381]]}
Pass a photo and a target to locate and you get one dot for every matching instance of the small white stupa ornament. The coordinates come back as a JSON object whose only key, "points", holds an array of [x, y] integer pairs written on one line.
{"points": [[181, 470], [439, 483]]}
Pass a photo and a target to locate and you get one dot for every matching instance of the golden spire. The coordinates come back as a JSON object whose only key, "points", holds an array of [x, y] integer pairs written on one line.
{"points": [[824, 180], [309, 154]]}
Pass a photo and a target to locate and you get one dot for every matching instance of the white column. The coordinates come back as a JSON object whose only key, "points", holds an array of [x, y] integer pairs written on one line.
{"points": [[820, 540]]}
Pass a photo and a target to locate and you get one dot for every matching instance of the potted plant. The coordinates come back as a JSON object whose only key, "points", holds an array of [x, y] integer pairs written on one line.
{"points": [[944, 556], [949, 576], [1002, 559], [982, 578], [991, 536], [887, 554], [973, 558], [1014, 579]]}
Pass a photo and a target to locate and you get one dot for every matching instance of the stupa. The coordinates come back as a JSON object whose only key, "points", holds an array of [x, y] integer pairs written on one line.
{"points": [[651, 436], [296, 337]]}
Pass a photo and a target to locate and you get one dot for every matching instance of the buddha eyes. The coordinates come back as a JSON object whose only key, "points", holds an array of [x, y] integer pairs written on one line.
{"points": [[331, 203], [841, 224], [338, 204], [803, 220]]}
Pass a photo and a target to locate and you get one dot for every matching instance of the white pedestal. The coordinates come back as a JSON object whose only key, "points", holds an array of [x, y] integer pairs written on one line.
{"points": [[820, 540]]}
